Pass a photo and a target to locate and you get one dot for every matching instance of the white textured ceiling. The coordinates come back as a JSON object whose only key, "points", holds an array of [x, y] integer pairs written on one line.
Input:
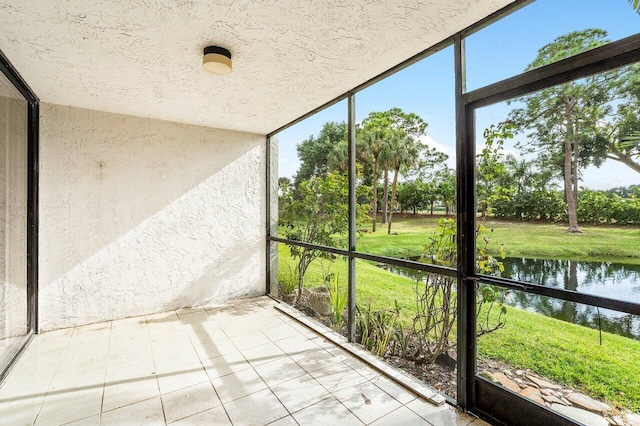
{"points": [[144, 57]]}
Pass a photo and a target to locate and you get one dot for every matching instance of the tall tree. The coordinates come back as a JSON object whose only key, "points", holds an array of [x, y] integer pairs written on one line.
{"points": [[375, 133], [371, 140], [447, 189], [314, 152], [406, 154], [564, 121], [338, 158]]}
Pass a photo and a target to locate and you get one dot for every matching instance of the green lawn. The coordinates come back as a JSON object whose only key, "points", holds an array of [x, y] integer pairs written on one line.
{"points": [[521, 239], [561, 351]]}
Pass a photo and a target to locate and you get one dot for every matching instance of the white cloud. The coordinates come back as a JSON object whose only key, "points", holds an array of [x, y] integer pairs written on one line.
{"points": [[450, 151]]}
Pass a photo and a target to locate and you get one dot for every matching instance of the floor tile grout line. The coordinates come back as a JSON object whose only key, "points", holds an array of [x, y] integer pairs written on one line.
{"points": [[104, 381], [366, 381], [329, 392], [317, 338], [155, 370], [398, 376], [53, 376], [259, 375], [209, 378]]}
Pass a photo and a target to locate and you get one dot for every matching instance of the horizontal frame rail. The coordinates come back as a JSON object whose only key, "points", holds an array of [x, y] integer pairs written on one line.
{"points": [[557, 293], [341, 252], [442, 270], [604, 58]]}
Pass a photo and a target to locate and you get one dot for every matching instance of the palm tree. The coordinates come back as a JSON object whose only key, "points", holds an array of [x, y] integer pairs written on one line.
{"points": [[338, 158], [406, 153], [371, 141], [635, 4], [387, 157]]}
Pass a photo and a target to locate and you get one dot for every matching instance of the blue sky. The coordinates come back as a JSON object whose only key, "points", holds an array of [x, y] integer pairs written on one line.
{"points": [[499, 51]]}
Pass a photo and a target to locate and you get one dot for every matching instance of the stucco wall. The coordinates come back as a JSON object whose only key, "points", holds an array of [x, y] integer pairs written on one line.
{"points": [[140, 215]]}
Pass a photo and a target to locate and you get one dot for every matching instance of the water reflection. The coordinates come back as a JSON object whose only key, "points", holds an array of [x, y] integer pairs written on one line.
{"points": [[614, 280]]}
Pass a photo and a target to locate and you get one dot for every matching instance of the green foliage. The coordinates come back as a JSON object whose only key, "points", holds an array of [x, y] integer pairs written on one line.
{"points": [[315, 151], [569, 45], [635, 4], [486, 263], [287, 280], [339, 297], [625, 191], [388, 141], [597, 207], [435, 296], [403, 337], [563, 352], [491, 170], [376, 328], [624, 143], [569, 354], [537, 204], [317, 211], [446, 189], [563, 121]]}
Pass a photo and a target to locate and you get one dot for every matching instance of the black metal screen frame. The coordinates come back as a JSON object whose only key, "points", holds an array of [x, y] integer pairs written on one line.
{"points": [[33, 133], [478, 394], [474, 394]]}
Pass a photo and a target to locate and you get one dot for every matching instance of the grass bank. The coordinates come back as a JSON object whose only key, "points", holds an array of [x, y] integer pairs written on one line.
{"points": [[521, 239]]}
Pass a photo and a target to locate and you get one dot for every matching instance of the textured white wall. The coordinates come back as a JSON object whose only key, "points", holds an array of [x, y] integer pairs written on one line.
{"points": [[140, 215]]}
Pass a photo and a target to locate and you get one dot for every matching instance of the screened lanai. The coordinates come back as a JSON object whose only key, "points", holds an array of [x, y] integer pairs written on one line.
{"points": [[415, 213]]}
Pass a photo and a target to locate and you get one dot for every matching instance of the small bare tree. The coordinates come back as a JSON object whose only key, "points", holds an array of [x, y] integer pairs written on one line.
{"points": [[436, 300]]}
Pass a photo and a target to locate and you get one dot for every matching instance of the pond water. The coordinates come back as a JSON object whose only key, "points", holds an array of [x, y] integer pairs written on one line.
{"points": [[613, 280]]}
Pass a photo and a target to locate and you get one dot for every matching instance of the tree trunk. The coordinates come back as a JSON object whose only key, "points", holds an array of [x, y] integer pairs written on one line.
{"points": [[302, 270], [570, 194], [374, 193], [385, 197], [432, 202], [393, 197], [415, 210]]}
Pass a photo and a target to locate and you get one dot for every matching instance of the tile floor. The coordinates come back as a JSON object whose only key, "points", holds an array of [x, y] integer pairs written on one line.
{"points": [[244, 363]]}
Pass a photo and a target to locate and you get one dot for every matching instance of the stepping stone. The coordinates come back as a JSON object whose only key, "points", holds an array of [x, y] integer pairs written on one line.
{"points": [[543, 383], [487, 375], [553, 399], [532, 394], [583, 401], [506, 382], [581, 416]]}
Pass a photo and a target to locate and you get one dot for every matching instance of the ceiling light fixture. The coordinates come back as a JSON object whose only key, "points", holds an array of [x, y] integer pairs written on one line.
{"points": [[217, 60]]}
